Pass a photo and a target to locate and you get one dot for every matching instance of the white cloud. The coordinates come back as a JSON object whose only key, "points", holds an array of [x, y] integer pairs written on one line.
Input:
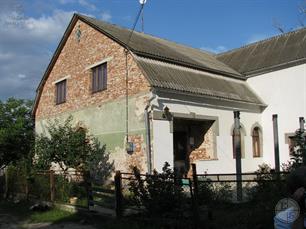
{"points": [[106, 16], [215, 50], [64, 2], [88, 5], [52, 26], [21, 76], [25, 49]]}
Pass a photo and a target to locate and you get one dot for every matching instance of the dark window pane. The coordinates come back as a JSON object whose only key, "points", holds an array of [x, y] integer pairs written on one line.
{"points": [[61, 92], [104, 76], [99, 78]]}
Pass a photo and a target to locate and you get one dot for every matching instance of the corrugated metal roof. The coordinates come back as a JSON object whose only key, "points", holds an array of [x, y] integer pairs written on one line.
{"points": [[170, 76], [268, 55], [157, 48]]}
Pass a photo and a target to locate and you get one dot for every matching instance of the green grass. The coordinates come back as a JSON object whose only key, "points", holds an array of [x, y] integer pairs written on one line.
{"points": [[21, 211], [53, 216]]}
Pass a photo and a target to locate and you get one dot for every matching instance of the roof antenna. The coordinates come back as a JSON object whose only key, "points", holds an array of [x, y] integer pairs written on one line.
{"points": [[142, 2]]}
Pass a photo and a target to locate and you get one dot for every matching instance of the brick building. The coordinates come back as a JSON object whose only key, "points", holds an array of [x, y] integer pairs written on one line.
{"points": [[169, 102]]}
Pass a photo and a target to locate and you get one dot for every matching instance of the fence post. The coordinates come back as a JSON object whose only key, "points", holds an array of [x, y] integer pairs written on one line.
{"points": [[195, 195], [90, 200], [195, 179], [6, 184], [118, 193], [52, 186], [27, 188]]}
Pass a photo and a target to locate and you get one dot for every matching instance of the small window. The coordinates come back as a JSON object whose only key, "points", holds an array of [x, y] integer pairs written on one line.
{"points": [[99, 78], [61, 91], [256, 139]]}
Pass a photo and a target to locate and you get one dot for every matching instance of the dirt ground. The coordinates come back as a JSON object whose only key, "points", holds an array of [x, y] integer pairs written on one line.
{"points": [[10, 222]]}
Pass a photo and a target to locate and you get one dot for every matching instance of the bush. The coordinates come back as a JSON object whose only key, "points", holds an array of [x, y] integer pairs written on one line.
{"points": [[40, 186], [16, 180], [161, 194], [268, 190], [216, 193]]}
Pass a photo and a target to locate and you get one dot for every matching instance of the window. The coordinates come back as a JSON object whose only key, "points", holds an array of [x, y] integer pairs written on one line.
{"points": [[256, 139], [99, 78], [61, 92], [240, 138]]}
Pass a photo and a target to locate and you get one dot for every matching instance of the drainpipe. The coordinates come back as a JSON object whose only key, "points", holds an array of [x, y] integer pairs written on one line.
{"points": [[148, 134]]}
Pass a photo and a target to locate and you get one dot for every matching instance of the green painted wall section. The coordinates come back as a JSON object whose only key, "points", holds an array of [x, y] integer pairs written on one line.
{"points": [[115, 140], [107, 121]]}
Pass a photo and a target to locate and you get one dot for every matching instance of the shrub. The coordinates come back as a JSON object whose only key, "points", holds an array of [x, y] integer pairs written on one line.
{"points": [[161, 194], [268, 190], [216, 193]]}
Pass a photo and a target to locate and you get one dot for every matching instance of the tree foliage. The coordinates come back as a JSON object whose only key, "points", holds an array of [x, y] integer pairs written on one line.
{"points": [[70, 146], [16, 130], [298, 156]]}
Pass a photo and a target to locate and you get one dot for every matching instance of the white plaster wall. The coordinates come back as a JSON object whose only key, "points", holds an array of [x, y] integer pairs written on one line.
{"points": [[224, 163], [284, 93], [162, 144]]}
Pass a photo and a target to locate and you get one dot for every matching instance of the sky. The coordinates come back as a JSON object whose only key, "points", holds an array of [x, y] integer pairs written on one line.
{"points": [[30, 30]]}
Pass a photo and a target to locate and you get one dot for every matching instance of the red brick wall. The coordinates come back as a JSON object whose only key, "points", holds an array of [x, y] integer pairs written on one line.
{"points": [[73, 60]]}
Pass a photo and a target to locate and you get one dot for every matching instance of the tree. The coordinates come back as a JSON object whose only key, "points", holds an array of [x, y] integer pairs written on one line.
{"points": [[16, 130], [70, 146]]}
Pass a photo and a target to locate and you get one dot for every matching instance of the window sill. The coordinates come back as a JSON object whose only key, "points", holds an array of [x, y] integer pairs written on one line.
{"points": [[94, 92], [60, 103]]}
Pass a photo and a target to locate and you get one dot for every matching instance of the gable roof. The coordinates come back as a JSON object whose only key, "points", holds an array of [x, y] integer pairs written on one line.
{"points": [[147, 46], [153, 47], [268, 55]]}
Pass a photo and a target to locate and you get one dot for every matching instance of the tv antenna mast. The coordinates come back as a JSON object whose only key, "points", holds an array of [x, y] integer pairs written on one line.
{"points": [[142, 2]]}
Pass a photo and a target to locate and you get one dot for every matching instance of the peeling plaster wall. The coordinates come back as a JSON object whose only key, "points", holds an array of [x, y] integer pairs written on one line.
{"points": [[106, 122], [224, 161]]}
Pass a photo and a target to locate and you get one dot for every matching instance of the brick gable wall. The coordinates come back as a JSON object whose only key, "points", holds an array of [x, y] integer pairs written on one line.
{"points": [[73, 60]]}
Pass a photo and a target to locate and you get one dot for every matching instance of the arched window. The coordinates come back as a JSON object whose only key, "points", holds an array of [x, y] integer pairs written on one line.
{"points": [[241, 139], [257, 142]]}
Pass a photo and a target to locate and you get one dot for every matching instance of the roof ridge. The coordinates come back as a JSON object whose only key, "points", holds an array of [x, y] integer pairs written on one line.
{"points": [[262, 41], [170, 44], [151, 35]]}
